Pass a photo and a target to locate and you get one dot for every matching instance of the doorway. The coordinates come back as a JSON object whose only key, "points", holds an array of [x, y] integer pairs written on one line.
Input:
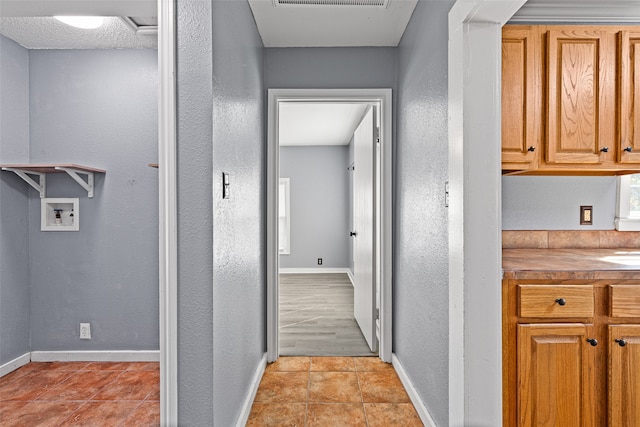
{"points": [[377, 306]]}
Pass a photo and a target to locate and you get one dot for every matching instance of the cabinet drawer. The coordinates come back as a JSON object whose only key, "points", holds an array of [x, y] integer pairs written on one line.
{"points": [[556, 300], [624, 300]]}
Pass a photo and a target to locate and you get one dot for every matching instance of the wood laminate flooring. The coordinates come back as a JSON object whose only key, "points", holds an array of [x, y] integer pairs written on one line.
{"points": [[316, 316]]}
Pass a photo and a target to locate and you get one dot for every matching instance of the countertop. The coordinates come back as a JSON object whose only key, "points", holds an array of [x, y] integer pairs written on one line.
{"points": [[571, 263]]}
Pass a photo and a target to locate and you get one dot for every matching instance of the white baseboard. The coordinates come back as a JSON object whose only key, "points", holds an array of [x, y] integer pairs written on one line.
{"points": [[96, 356], [423, 413], [14, 364], [248, 402], [313, 270], [351, 278]]}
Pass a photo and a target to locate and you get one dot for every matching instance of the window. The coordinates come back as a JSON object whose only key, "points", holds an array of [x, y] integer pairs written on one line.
{"points": [[628, 213], [284, 220]]}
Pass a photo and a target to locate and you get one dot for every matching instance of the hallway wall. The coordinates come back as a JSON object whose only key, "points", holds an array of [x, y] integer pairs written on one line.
{"points": [[221, 260], [96, 108], [319, 198], [14, 197], [421, 330]]}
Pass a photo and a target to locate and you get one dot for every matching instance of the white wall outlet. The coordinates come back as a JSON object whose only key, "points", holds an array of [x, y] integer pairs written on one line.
{"points": [[85, 331]]}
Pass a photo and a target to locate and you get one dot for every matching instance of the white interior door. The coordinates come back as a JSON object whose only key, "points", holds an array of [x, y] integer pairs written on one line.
{"points": [[364, 295]]}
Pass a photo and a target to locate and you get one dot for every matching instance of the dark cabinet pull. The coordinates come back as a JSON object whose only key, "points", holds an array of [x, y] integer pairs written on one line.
{"points": [[628, 149], [532, 149], [592, 341], [604, 149], [561, 301], [621, 343], [352, 234]]}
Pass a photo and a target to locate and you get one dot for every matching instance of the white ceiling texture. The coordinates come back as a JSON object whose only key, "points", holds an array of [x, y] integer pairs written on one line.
{"points": [[281, 23]]}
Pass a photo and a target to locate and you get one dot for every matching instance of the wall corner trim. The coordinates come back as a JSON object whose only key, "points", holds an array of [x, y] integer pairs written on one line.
{"points": [[422, 410], [96, 356], [14, 364], [255, 383]]}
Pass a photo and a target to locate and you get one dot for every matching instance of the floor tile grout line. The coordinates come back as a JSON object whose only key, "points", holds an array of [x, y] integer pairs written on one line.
{"points": [[364, 411]]}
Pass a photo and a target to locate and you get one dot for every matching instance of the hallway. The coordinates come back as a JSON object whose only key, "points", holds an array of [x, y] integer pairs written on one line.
{"points": [[332, 391]]}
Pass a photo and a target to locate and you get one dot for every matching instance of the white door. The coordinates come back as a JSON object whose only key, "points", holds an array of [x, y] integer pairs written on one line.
{"points": [[364, 203]]}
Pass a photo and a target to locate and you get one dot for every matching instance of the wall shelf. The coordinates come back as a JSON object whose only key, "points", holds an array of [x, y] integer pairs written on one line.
{"points": [[28, 171]]}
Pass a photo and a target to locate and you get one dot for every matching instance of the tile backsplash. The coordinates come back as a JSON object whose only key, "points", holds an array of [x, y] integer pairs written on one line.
{"points": [[566, 239]]}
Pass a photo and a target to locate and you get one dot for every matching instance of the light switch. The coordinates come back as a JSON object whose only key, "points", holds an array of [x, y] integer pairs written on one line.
{"points": [[226, 191]]}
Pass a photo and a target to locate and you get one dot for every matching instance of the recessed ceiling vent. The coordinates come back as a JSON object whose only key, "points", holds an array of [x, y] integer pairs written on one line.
{"points": [[366, 3]]}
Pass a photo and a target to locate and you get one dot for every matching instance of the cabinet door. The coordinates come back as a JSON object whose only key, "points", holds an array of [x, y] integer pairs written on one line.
{"points": [[556, 378], [521, 97], [629, 53], [581, 96], [624, 376]]}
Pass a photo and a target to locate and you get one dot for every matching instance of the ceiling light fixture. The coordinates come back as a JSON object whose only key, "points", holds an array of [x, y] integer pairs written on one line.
{"points": [[86, 22]]}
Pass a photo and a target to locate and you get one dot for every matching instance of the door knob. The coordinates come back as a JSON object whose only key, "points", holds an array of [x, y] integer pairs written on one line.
{"points": [[352, 234], [621, 343]]}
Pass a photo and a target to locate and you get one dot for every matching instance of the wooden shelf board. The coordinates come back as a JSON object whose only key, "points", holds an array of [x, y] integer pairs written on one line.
{"points": [[51, 168]]}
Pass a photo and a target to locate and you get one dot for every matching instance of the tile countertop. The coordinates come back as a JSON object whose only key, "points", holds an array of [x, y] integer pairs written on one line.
{"points": [[571, 263]]}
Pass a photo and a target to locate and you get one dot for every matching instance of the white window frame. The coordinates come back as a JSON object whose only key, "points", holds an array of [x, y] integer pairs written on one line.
{"points": [[285, 185], [625, 219]]}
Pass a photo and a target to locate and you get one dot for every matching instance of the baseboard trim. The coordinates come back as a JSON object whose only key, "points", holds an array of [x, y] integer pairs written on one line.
{"points": [[14, 364], [313, 270], [423, 413], [255, 383], [351, 278], [96, 356]]}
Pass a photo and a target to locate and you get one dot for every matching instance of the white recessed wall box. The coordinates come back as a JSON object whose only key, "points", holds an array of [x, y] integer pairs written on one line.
{"points": [[59, 214]]}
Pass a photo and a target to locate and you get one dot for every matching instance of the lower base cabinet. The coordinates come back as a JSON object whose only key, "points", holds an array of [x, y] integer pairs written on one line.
{"points": [[579, 370]]}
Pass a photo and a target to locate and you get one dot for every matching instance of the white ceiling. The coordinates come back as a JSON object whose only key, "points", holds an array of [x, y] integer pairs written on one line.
{"points": [[318, 123], [327, 25]]}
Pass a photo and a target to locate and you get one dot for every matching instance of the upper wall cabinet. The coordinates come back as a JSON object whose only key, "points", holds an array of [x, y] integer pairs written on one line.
{"points": [[629, 96], [521, 97], [568, 100]]}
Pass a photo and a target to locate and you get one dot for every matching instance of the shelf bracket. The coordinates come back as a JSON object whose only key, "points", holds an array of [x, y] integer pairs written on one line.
{"points": [[73, 173], [40, 185]]}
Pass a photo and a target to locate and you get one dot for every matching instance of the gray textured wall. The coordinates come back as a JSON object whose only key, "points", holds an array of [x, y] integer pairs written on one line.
{"points": [[14, 196], [421, 235], [220, 242], [553, 202], [239, 223], [319, 197], [195, 216], [96, 108]]}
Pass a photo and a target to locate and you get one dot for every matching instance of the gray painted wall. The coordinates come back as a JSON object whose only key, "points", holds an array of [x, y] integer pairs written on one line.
{"points": [[319, 198], [239, 223], [14, 218], [421, 233], [195, 216], [221, 261], [553, 202], [96, 108]]}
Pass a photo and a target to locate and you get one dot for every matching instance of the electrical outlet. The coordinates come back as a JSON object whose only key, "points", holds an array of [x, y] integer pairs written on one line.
{"points": [[319, 261], [85, 331], [586, 215]]}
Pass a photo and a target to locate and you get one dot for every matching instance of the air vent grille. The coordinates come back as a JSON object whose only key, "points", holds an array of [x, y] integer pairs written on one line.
{"points": [[370, 3]]}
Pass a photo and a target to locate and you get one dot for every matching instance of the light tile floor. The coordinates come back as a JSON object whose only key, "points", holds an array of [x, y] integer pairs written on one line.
{"points": [[332, 391], [81, 394]]}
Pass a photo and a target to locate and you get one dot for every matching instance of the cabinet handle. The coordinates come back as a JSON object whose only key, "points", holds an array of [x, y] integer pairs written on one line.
{"points": [[604, 149], [561, 301], [532, 149], [628, 149], [592, 341], [352, 234], [621, 343]]}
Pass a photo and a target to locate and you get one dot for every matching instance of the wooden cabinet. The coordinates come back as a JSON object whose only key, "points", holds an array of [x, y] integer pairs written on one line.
{"points": [[571, 351], [624, 375], [556, 365], [521, 97], [569, 94]]}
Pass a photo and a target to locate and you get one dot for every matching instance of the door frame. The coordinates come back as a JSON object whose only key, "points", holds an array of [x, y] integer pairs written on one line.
{"points": [[385, 231]]}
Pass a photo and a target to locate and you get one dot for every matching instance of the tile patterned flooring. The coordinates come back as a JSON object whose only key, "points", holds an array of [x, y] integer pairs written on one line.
{"points": [[81, 394], [332, 391]]}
